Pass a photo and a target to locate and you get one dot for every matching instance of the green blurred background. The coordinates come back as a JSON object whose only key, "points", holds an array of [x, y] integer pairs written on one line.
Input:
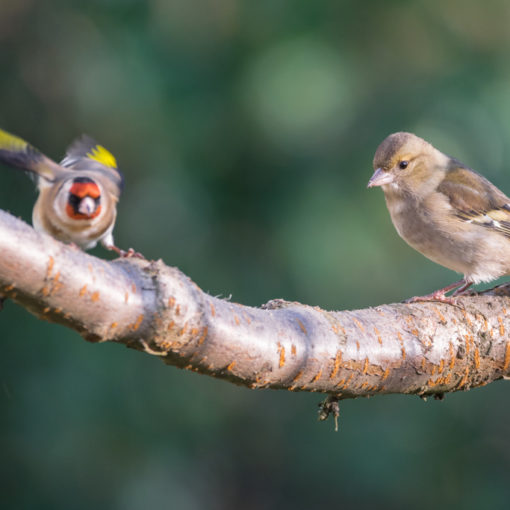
{"points": [[246, 131]]}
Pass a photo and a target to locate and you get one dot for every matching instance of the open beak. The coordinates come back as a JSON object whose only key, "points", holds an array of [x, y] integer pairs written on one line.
{"points": [[380, 178]]}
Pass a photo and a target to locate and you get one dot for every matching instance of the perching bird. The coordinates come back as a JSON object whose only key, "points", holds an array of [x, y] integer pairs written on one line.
{"points": [[445, 210], [78, 198]]}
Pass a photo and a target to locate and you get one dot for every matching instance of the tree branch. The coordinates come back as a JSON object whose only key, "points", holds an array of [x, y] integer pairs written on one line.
{"points": [[423, 348]]}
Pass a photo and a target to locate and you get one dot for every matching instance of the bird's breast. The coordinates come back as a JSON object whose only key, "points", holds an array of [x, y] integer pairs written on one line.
{"points": [[417, 223]]}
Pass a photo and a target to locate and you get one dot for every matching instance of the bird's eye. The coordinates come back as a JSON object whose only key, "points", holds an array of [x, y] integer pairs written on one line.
{"points": [[403, 165]]}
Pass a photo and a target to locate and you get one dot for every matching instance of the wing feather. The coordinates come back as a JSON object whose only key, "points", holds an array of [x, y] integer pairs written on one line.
{"points": [[15, 152], [476, 200]]}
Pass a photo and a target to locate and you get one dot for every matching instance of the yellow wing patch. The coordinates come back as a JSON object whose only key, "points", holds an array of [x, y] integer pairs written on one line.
{"points": [[103, 156], [11, 143]]}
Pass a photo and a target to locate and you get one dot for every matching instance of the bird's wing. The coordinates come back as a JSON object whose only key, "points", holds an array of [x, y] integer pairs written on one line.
{"points": [[16, 152], [86, 154], [476, 200]]}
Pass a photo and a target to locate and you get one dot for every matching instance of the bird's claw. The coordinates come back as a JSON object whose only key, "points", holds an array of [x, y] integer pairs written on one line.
{"points": [[126, 254], [438, 297], [131, 253]]}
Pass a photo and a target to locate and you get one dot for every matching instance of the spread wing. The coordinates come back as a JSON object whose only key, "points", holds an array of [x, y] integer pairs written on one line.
{"points": [[16, 152], [476, 200], [86, 154]]}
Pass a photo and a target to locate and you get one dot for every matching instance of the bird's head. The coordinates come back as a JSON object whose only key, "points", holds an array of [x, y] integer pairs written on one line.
{"points": [[83, 199], [404, 160]]}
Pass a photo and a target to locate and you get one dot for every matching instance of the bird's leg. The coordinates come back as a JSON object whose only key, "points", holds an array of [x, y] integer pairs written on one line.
{"points": [[461, 290], [125, 254], [439, 295]]}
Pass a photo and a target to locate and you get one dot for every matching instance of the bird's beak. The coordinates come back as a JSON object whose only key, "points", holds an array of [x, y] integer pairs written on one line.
{"points": [[87, 206], [380, 178]]}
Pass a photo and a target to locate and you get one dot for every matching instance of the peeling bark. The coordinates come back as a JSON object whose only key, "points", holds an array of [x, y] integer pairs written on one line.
{"points": [[421, 348]]}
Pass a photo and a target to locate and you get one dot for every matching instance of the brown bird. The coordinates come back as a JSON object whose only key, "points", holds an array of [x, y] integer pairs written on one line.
{"points": [[78, 198], [444, 210]]}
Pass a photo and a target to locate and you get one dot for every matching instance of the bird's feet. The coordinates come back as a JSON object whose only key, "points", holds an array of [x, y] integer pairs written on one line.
{"points": [[440, 295], [126, 254], [434, 296]]}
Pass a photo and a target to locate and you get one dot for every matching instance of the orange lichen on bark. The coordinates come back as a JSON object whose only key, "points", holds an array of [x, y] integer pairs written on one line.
{"points": [[386, 374], [236, 320], [51, 263], [466, 316], [56, 277], [365, 366], [452, 357], [318, 376], [95, 296], [297, 376], [358, 323], [477, 358], [349, 379], [336, 366], [340, 382], [138, 322], [83, 290], [506, 362], [379, 339], [281, 350], [440, 315], [501, 326], [431, 382], [467, 336], [464, 379], [441, 366], [302, 327], [204, 336], [293, 350], [171, 302], [231, 366], [213, 310]]}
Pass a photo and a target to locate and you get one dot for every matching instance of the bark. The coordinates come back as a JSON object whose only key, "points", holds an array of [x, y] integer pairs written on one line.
{"points": [[422, 348]]}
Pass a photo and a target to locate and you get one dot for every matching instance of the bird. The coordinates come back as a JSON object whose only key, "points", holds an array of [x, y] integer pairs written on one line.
{"points": [[444, 210], [77, 201]]}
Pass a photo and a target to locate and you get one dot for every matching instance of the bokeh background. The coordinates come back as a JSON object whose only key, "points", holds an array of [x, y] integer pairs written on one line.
{"points": [[246, 132]]}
